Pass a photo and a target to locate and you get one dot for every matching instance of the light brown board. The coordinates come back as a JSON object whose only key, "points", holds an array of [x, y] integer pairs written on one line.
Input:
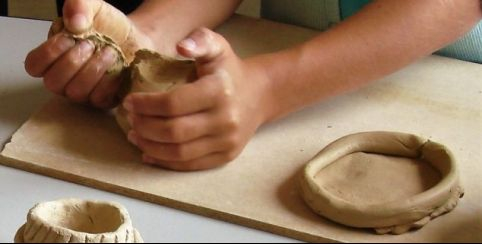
{"points": [[437, 98]]}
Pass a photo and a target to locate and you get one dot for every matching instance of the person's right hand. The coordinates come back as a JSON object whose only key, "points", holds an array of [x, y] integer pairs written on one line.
{"points": [[73, 69]]}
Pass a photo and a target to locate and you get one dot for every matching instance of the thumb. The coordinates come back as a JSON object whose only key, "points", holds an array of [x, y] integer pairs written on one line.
{"points": [[204, 46], [79, 15]]}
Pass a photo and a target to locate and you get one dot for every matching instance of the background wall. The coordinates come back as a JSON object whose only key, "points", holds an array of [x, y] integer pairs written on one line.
{"points": [[36, 9], [46, 9]]}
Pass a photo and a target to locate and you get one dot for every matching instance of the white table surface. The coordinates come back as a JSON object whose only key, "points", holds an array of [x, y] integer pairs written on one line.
{"points": [[20, 96]]}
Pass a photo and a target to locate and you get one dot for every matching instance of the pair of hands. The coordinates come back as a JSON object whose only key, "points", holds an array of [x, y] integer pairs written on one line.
{"points": [[197, 126]]}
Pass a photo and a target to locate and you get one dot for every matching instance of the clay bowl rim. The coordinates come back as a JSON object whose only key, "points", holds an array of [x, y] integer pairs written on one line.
{"points": [[379, 214], [126, 222]]}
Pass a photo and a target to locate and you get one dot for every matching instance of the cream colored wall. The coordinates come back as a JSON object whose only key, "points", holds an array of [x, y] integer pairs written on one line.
{"points": [[36, 9], [46, 9]]}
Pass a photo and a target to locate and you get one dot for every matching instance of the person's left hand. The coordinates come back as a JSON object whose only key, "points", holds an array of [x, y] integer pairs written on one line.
{"points": [[73, 68], [206, 123]]}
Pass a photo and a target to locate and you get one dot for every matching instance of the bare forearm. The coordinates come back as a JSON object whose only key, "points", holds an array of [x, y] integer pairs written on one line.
{"points": [[168, 21], [381, 39]]}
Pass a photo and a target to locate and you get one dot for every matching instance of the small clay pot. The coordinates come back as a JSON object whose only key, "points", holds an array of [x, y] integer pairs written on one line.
{"points": [[78, 221], [389, 181]]}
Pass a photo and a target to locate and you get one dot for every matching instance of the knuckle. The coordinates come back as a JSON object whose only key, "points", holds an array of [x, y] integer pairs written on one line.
{"points": [[231, 125], [102, 99], [204, 32], [174, 132], [230, 155], [144, 147], [171, 105], [208, 35], [232, 142], [71, 61], [136, 123], [105, 92], [97, 99], [51, 83], [50, 52], [149, 147], [214, 41], [75, 94], [224, 87], [231, 121], [180, 152]]}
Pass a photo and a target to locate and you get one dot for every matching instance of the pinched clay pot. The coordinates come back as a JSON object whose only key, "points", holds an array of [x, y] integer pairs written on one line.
{"points": [[389, 181], [78, 221], [152, 72]]}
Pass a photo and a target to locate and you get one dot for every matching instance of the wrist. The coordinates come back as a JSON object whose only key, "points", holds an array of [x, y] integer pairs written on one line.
{"points": [[142, 37], [263, 85], [149, 37]]}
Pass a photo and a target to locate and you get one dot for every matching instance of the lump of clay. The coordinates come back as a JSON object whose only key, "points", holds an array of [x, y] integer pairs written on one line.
{"points": [[99, 40], [392, 182], [146, 70], [78, 221], [151, 72]]}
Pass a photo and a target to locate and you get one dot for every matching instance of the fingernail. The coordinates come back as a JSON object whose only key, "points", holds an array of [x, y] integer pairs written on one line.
{"points": [[127, 104], [188, 44], [64, 43], [77, 23], [132, 137], [148, 159], [109, 55], [130, 119], [86, 47]]}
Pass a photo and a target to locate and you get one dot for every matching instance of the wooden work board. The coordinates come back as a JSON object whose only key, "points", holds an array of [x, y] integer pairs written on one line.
{"points": [[436, 98]]}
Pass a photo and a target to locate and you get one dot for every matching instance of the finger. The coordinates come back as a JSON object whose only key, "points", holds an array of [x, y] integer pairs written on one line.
{"points": [[183, 100], [65, 68], [178, 152], [175, 130], [79, 14], [84, 82], [42, 57], [204, 46], [207, 162], [105, 93]]}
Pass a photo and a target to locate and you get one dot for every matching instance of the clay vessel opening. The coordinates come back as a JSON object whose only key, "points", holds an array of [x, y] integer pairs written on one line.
{"points": [[83, 217]]}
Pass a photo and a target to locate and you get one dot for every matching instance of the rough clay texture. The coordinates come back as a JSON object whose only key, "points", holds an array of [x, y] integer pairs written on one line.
{"points": [[143, 70], [392, 182], [99, 40], [81, 145], [150, 72], [78, 221]]}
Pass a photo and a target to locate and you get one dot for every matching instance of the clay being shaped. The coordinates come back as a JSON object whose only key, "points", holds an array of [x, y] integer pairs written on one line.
{"points": [[99, 40], [141, 70], [78, 221], [151, 72], [110, 27], [392, 182]]}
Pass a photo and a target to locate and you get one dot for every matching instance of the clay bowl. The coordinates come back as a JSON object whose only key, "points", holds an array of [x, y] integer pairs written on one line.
{"points": [[78, 221], [389, 181]]}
